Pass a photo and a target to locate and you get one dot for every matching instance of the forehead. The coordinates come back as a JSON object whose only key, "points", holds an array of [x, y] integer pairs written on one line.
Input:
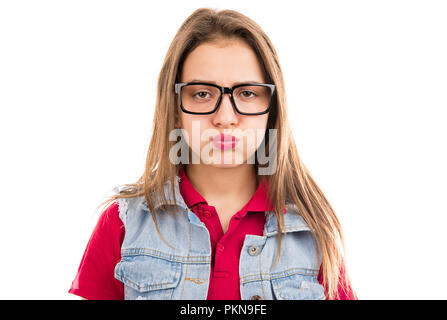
{"points": [[224, 62]]}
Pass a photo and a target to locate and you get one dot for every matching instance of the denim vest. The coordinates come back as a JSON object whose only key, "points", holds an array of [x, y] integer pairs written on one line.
{"points": [[150, 269]]}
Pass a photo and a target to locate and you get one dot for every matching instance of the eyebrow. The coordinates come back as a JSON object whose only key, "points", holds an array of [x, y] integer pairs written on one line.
{"points": [[234, 83]]}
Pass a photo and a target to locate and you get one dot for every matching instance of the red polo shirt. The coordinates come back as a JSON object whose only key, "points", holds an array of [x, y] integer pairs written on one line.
{"points": [[226, 247], [95, 277]]}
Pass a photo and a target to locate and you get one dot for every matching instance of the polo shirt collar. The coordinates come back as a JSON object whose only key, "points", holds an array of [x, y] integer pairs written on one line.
{"points": [[293, 222], [257, 203]]}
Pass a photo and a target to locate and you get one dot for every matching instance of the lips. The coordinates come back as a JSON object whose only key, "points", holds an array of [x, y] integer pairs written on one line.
{"points": [[225, 141]]}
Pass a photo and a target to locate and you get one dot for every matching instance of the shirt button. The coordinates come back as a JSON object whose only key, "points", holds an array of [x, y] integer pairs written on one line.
{"points": [[256, 297], [220, 247], [207, 213], [253, 250]]}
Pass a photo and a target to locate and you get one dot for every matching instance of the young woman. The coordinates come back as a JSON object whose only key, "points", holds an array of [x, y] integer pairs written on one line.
{"points": [[238, 215]]}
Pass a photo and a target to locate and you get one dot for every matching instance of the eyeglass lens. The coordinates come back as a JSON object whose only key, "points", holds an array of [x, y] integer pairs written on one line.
{"points": [[203, 98]]}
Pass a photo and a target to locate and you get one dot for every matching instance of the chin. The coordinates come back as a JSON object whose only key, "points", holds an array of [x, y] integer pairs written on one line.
{"points": [[225, 166]]}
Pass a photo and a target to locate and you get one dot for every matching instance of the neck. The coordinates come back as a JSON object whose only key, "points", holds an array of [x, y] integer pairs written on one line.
{"points": [[223, 183]]}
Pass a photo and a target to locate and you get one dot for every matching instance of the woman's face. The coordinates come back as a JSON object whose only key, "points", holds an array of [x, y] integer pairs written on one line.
{"points": [[224, 63]]}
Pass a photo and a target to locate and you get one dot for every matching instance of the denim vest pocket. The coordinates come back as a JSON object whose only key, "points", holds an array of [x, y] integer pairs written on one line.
{"points": [[297, 287], [148, 277]]}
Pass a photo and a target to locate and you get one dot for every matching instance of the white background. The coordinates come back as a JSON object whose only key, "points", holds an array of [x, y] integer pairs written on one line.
{"points": [[366, 87]]}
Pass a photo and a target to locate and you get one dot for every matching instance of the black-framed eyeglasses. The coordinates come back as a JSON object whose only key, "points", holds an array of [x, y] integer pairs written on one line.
{"points": [[204, 98]]}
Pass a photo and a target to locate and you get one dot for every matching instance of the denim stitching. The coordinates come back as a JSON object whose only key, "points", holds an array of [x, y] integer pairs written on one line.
{"points": [[147, 287], [262, 282], [187, 265], [277, 290], [158, 254], [284, 274], [289, 229]]}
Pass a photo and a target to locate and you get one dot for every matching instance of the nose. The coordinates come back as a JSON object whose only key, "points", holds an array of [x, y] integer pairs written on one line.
{"points": [[225, 115]]}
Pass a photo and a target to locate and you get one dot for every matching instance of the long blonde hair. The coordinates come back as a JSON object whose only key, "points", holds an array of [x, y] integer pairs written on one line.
{"points": [[291, 181]]}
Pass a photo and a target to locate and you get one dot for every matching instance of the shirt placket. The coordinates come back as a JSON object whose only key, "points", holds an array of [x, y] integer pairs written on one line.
{"points": [[209, 216]]}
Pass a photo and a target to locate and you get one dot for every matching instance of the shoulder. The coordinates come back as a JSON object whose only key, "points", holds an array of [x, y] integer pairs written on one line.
{"points": [[109, 224], [123, 207], [110, 215], [94, 279]]}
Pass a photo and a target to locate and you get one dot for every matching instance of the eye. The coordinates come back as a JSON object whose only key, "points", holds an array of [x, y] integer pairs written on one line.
{"points": [[201, 94], [247, 94]]}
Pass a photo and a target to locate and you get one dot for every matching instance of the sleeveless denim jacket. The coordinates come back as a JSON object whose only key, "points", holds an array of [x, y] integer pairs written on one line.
{"points": [[150, 269]]}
